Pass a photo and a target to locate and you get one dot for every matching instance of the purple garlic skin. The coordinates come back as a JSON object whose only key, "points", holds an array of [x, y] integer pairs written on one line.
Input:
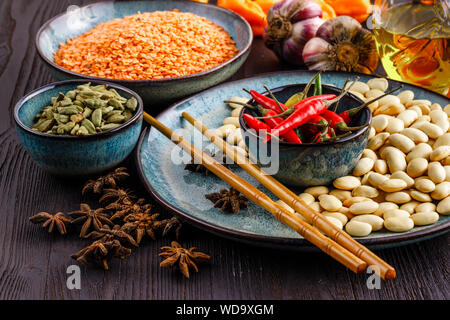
{"points": [[301, 33], [291, 23]]}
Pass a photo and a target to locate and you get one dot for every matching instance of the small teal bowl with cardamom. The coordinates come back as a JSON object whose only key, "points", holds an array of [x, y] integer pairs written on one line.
{"points": [[66, 155]]}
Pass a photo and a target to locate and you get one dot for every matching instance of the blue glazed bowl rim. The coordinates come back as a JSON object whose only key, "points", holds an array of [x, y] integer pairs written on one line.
{"points": [[147, 81], [137, 115], [353, 136]]}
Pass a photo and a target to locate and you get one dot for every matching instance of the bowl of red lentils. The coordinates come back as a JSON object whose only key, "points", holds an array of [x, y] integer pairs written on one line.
{"points": [[163, 50]]}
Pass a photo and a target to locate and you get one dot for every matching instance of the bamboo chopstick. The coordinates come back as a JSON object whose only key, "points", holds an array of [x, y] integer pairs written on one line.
{"points": [[386, 271], [253, 194]]}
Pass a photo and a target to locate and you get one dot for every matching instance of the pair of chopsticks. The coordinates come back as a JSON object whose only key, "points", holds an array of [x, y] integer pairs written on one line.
{"points": [[336, 243]]}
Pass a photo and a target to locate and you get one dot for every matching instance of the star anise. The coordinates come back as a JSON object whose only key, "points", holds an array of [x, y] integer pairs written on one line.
{"points": [[106, 234], [49, 221], [109, 180], [186, 258], [95, 218], [200, 168], [116, 195], [228, 200], [100, 252], [170, 224], [142, 223], [121, 210]]}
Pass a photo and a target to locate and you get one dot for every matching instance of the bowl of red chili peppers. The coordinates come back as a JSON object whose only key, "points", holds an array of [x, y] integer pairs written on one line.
{"points": [[314, 133]]}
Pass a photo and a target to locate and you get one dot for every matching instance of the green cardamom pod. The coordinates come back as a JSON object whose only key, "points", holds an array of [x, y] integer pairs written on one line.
{"points": [[107, 110], [109, 126], [60, 129], [45, 125], [75, 129], [88, 125], [95, 103], [127, 114], [100, 87], [115, 118], [116, 104], [82, 131], [66, 102], [87, 112], [96, 117], [61, 118], [132, 104], [71, 94], [68, 110], [60, 97], [78, 103], [84, 86], [76, 117]]}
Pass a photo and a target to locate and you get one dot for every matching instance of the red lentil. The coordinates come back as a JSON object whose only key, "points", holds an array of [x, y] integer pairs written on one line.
{"points": [[150, 45]]}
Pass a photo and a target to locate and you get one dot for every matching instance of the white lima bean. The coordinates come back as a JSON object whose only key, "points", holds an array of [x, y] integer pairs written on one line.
{"points": [[401, 142], [385, 206], [236, 112], [380, 122], [443, 140], [395, 213], [416, 109], [421, 150], [337, 215], [447, 109], [436, 172], [367, 153], [306, 197], [363, 207], [346, 183], [447, 173], [341, 194], [376, 179], [417, 167], [395, 159], [441, 191], [378, 83], [224, 130], [358, 86], [336, 222], [398, 224], [410, 206], [443, 206], [363, 166], [377, 141], [440, 153], [393, 185], [316, 206], [373, 93], [353, 200], [415, 135], [408, 117], [424, 207], [380, 166], [232, 120], [329, 202], [235, 137], [395, 125], [317, 191], [425, 218], [399, 197], [403, 176], [372, 132], [237, 99], [375, 221], [390, 109], [436, 106], [432, 130], [365, 191], [420, 196], [358, 228], [425, 185], [406, 96]]}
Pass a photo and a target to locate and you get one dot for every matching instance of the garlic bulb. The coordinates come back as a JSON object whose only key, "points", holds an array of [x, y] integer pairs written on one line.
{"points": [[341, 44]]}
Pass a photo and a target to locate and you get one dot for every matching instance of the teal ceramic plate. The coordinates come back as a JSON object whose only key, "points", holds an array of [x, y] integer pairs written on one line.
{"points": [[182, 191]]}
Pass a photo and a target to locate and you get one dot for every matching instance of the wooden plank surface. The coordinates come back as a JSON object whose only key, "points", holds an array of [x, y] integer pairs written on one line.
{"points": [[33, 263]]}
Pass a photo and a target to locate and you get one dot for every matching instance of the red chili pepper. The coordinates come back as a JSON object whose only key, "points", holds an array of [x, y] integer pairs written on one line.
{"points": [[304, 113], [267, 102], [289, 136], [314, 126], [337, 122], [348, 114], [254, 123]]}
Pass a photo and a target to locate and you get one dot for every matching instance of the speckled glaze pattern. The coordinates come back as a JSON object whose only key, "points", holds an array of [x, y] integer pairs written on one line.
{"points": [[63, 27], [183, 191], [304, 165], [73, 155]]}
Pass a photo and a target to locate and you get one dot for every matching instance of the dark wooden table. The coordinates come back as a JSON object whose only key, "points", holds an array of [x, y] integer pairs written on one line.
{"points": [[33, 263]]}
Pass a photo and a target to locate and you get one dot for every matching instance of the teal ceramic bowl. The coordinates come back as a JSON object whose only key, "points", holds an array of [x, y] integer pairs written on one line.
{"points": [[153, 92], [310, 164], [75, 155]]}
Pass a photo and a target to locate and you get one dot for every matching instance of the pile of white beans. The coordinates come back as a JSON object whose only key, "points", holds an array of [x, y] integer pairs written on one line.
{"points": [[402, 179]]}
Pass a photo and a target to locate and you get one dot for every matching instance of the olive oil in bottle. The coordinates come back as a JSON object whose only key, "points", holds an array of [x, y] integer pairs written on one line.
{"points": [[413, 44]]}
